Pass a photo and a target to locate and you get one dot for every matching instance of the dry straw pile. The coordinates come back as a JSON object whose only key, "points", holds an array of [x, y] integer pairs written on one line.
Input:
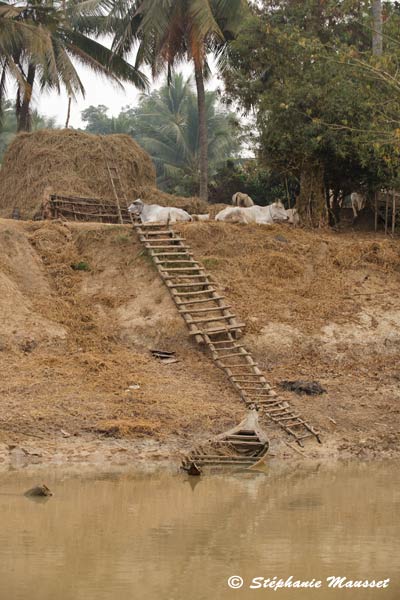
{"points": [[73, 163]]}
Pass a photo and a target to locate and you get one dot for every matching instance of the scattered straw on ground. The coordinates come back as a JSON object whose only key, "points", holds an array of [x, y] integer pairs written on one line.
{"points": [[74, 344]]}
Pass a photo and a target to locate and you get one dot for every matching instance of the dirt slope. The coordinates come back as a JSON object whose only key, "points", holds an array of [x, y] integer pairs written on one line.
{"points": [[81, 306]]}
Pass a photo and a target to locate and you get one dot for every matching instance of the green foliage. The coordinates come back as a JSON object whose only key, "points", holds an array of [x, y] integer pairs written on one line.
{"points": [[262, 184], [81, 266], [166, 124], [307, 70], [167, 32], [40, 41], [97, 120], [170, 31]]}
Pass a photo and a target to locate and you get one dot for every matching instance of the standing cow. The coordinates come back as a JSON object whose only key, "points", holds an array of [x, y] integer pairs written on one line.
{"points": [[242, 200], [358, 203]]}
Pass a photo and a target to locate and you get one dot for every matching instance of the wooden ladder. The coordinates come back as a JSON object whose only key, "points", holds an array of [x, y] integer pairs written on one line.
{"points": [[121, 200], [211, 321]]}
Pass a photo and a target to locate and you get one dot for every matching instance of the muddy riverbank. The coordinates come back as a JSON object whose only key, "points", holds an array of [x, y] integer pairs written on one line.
{"points": [[81, 307]]}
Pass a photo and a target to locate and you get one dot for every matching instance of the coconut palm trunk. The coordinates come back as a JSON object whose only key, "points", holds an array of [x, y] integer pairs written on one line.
{"points": [[24, 113], [203, 135], [377, 38]]}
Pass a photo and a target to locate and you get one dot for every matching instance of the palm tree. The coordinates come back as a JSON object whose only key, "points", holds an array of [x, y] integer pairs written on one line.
{"points": [[377, 39], [170, 31], [166, 124], [39, 41]]}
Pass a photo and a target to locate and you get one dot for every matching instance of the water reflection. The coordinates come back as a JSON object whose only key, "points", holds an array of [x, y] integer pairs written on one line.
{"points": [[165, 537]]}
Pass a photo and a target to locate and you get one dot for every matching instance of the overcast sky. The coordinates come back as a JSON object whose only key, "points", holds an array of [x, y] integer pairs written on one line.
{"points": [[98, 91]]}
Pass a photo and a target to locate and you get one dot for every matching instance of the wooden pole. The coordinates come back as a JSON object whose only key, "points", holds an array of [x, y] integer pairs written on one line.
{"points": [[386, 212], [393, 212], [68, 113]]}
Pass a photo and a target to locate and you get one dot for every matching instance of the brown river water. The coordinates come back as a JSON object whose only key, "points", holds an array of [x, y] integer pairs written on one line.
{"points": [[163, 536]]}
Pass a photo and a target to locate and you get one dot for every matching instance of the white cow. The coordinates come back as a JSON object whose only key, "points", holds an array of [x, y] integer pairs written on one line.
{"points": [[293, 216], [358, 202], [240, 199], [266, 215], [201, 217], [153, 213]]}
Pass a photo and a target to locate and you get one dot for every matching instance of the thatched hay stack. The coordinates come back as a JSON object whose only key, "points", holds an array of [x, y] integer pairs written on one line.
{"points": [[73, 163]]}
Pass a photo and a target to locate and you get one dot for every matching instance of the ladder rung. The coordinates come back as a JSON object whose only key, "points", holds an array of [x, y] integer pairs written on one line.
{"points": [[203, 310], [203, 300], [277, 416], [213, 319], [171, 253], [258, 389], [180, 269], [172, 239], [180, 294], [241, 380], [218, 330], [235, 354], [289, 418], [178, 247], [266, 402], [167, 261], [200, 283], [170, 277], [221, 348], [160, 232]]}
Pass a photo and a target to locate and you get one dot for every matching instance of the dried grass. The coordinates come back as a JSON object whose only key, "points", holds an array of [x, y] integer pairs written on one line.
{"points": [[120, 428], [73, 163], [289, 275], [384, 254]]}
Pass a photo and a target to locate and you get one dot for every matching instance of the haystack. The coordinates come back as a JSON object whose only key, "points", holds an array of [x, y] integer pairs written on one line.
{"points": [[73, 163]]}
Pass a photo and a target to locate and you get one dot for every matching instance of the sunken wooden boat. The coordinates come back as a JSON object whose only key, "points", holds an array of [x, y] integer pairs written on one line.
{"points": [[243, 446]]}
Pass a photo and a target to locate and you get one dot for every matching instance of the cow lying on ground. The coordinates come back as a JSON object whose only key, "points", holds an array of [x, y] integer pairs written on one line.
{"points": [[201, 217], [243, 200], [153, 213], [293, 216], [273, 213]]}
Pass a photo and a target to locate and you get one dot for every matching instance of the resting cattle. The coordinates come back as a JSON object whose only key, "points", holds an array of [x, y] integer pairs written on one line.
{"points": [[153, 213], [273, 213], [293, 216], [358, 202], [201, 217], [243, 200]]}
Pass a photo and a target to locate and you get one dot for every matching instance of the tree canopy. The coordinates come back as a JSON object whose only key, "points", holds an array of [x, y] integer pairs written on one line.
{"points": [[166, 124], [170, 31], [40, 43], [324, 109]]}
